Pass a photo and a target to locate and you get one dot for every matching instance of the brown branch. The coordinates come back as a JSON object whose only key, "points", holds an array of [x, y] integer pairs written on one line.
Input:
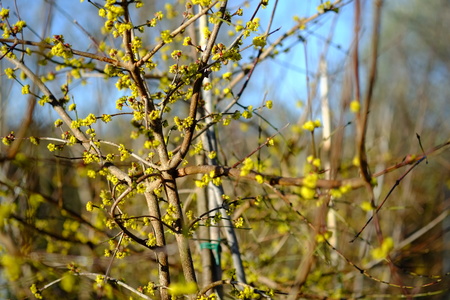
{"points": [[158, 231], [363, 115], [197, 92], [76, 52], [410, 159], [397, 183], [269, 179], [212, 39], [299, 181]]}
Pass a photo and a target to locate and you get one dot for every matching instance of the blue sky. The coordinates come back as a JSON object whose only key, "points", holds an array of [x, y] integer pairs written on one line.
{"points": [[283, 79], [291, 66]]}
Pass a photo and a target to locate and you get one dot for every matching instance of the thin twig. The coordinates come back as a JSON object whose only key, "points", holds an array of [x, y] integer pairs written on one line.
{"points": [[397, 182], [180, 29], [353, 183], [74, 51], [260, 146], [89, 274], [108, 270]]}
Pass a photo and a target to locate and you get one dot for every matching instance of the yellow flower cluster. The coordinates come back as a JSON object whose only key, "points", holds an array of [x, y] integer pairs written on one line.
{"points": [[123, 152], [196, 149], [149, 288], [247, 166], [239, 222], [88, 121], [207, 178], [166, 37], [112, 13], [311, 125], [322, 237], [355, 106], [136, 43], [251, 26], [326, 6], [169, 217], [10, 73], [88, 157], [106, 118], [151, 240], [308, 190], [123, 82], [158, 17], [151, 144], [35, 291], [219, 52], [313, 161], [71, 139], [202, 2], [383, 251], [259, 179], [338, 193], [52, 147], [259, 41], [4, 13], [248, 113], [183, 123], [7, 29], [61, 48]]}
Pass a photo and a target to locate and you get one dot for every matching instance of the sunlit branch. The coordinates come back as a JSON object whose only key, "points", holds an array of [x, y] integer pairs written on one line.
{"points": [[74, 51], [299, 181]]}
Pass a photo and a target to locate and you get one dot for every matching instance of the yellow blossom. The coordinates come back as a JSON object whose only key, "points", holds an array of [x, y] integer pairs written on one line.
{"points": [[311, 125], [4, 13], [366, 206], [26, 89], [383, 251], [226, 75], [355, 161], [259, 179], [307, 193], [355, 106]]}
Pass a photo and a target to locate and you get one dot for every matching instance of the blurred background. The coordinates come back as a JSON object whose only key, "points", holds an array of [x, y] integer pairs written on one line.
{"points": [[50, 227]]}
